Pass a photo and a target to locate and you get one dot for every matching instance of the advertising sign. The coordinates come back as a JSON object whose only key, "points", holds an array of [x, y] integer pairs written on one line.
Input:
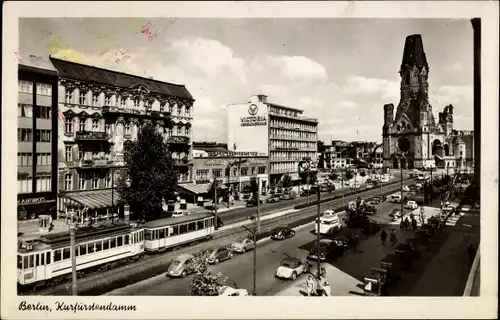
{"points": [[248, 128]]}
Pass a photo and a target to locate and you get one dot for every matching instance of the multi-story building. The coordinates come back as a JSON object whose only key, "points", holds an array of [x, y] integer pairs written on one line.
{"points": [[336, 155], [343, 154], [414, 128], [234, 170], [102, 112], [37, 138], [282, 133]]}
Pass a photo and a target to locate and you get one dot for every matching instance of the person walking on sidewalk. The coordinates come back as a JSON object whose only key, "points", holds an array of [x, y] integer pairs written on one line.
{"points": [[414, 225], [383, 236], [310, 285]]}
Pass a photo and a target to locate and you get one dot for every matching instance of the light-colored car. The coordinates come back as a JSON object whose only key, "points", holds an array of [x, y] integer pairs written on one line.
{"points": [[291, 268], [243, 246], [227, 291], [411, 205], [356, 186], [406, 188], [177, 214], [181, 266]]}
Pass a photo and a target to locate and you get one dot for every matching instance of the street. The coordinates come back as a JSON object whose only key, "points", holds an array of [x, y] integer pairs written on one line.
{"points": [[239, 269]]}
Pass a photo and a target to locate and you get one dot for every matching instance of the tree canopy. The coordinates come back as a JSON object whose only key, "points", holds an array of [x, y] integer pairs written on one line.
{"points": [[349, 175], [254, 188], [286, 180], [204, 283], [150, 174]]}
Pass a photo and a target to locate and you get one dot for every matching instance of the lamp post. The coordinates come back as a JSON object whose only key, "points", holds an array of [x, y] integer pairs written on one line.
{"points": [[318, 238], [255, 233], [215, 205], [72, 229], [305, 164]]}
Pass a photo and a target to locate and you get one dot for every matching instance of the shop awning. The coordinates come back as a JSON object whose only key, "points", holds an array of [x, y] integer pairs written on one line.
{"points": [[195, 188], [94, 199]]}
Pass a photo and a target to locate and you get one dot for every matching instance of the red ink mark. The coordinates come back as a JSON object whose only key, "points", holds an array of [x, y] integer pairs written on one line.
{"points": [[121, 55]]}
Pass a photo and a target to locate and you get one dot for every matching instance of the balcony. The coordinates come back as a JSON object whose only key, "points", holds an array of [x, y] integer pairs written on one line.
{"points": [[141, 113], [286, 148], [178, 140], [92, 136], [92, 163]]}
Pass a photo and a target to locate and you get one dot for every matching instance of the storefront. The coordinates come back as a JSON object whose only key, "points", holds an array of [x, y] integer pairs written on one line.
{"points": [[30, 206]]}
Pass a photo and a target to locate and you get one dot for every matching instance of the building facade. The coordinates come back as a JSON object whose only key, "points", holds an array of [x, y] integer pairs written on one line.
{"points": [[413, 127], [37, 139], [282, 133], [336, 155], [101, 112], [343, 154]]}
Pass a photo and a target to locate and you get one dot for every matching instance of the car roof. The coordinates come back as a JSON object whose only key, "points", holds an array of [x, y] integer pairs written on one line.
{"points": [[291, 260], [183, 257]]}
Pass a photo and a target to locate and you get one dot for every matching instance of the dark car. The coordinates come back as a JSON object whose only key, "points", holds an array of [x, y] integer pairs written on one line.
{"points": [[253, 202], [273, 198], [220, 254], [282, 233], [326, 249], [371, 210]]}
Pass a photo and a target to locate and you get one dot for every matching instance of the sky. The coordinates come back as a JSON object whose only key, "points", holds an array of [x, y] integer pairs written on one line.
{"points": [[340, 71]]}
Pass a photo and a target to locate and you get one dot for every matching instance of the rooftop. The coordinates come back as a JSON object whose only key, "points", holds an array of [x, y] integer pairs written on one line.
{"points": [[82, 72]]}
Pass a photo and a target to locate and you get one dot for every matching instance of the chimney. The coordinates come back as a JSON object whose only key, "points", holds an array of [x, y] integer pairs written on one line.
{"points": [[413, 53]]}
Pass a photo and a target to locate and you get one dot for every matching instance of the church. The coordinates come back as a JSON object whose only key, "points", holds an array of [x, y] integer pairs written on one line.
{"points": [[412, 138]]}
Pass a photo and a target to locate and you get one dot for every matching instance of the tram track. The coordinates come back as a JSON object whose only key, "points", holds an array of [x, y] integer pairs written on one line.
{"points": [[153, 264]]}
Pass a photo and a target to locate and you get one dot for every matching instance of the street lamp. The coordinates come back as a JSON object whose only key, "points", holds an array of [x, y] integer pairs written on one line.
{"points": [[305, 165], [215, 204], [254, 233], [72, 229]]}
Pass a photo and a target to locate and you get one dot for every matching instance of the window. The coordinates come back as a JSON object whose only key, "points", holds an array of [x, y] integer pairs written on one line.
{"points": [[95, 100], [69, 96], [24, 159], [43, 184], [43, 135], [24, 135], [68, 181], [123, 102], [43, 159], [95, 125], [107, 180], [68, 125], [200, 225], [83, 249], [136, 103], [105, 244], [90, 247], [148, 104], [107, 128], [119, 241], [82, 125], [461, 153], [107, 100], [112, 243], [188, 131], [98, 246], [217, 173], [244, 171], [44, 89], [24, 110], [175, 230], [25, 86], [57, 255], [44, 112], [95, 180], [82, 98], [81, 182], [66, 253], [24, 185], [188, 112], [128, 131], [262, 170], [48, 257], [68, 152], [182, 229], [42, 258], [192, 227]]}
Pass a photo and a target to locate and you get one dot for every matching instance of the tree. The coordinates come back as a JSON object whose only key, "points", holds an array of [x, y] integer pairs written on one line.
{"points": [[204, 283], [211, 191], [150, 175], [349, 175], [333, 176], [286, 181], [362, 173], [254, 187]]}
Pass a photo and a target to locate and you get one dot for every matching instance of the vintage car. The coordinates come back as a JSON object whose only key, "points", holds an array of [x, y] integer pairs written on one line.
{"points": [[411, 205], [291, 268], [326, 249], [177, 214], [253, 202], [227, 291], [220, 254], [181, 266], [273, 198], [243, 246], [369, 209], [282, 233]]}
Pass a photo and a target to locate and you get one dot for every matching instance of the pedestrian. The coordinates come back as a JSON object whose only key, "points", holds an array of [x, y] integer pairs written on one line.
{"points": [[310, 285], [393, 237], [414, 225], [402, 225], [383, 236], [471, 251], [407, 224], [327, 291]]}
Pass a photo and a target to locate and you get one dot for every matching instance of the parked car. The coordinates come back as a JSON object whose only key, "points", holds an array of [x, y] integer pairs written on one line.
{"points": [[181, 266], [290, 268], [326, 248], [273, 198], [371, 210], [220, 254], [282, 233], [226, 291], [356, 186], [243, 246], [177, 214], [288, 195], [395, 213], [253, 202], [411, 205]]}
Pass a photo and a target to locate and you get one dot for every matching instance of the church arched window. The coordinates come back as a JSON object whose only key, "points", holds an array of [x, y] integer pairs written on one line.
{"points": [[398, 128]]}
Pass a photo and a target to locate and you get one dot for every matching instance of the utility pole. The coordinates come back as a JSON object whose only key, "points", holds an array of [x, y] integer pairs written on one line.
{"points": [[215, 205], [72, 227], [255, 233], [318, 238]]}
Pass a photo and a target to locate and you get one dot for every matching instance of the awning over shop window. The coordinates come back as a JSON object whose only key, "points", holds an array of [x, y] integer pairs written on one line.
{"points": [[94, 199], [198, 188]]}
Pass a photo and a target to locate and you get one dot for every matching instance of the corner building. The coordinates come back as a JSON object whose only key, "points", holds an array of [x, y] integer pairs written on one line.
{"points": [[431, 143], [282, 133], [101, 111], [36, 139]]}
